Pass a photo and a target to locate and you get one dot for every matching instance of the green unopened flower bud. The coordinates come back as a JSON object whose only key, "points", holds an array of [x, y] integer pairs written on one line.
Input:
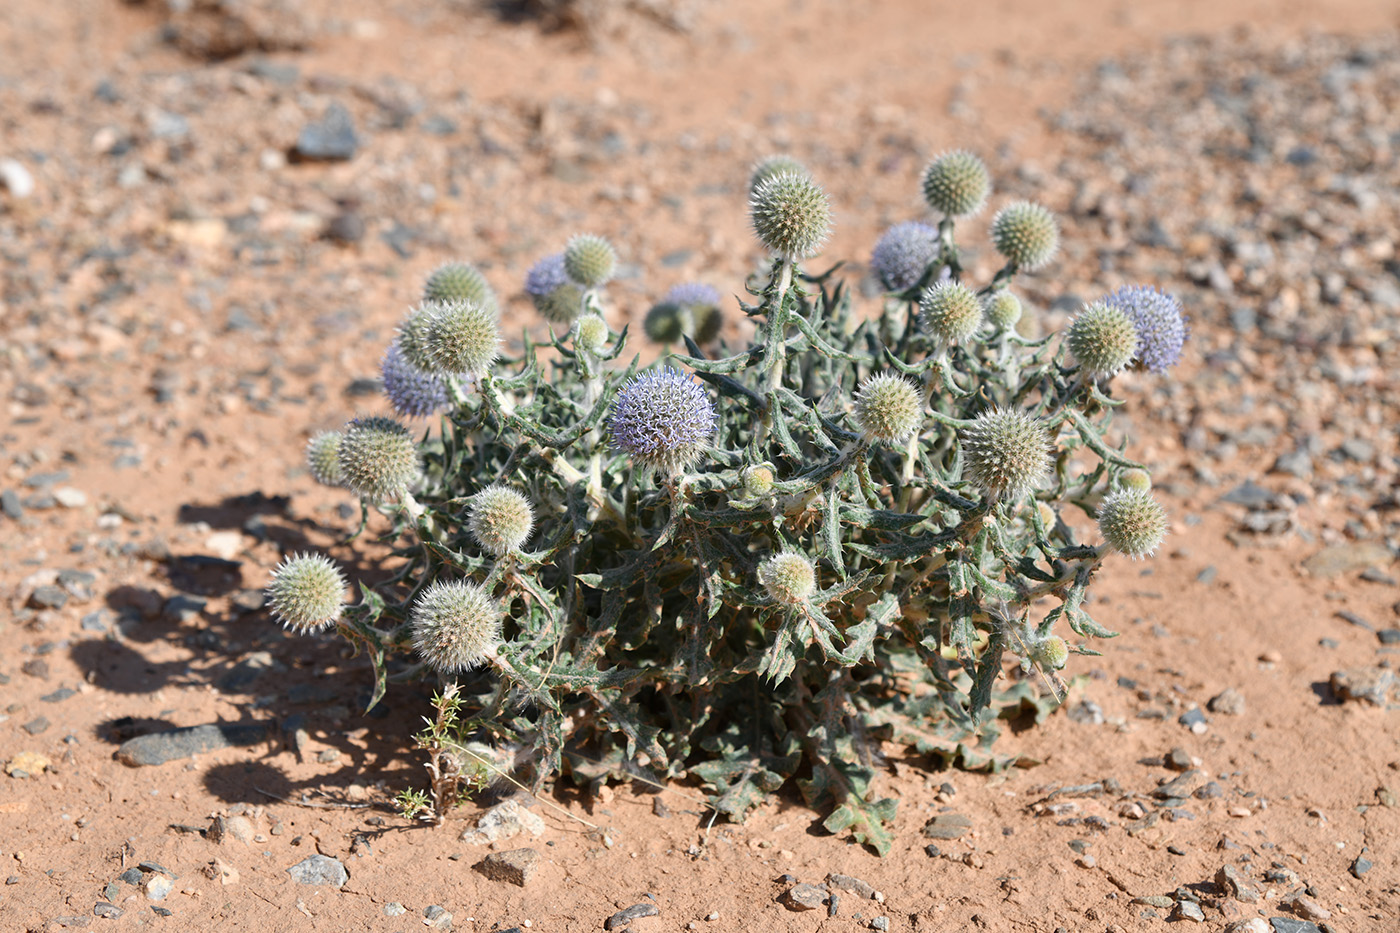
{"points": [[1050, 653], [1132, 522], [1003, 309], [789, 577], [457, 281], [957, 184], [888, 408], [1006, 451], [591, 334], [378, 459], [758, 479], [1141, 480], [1103, 340], [461, 337], [456, 625], [500, 519], [951, 311], [791, 215], [666, 323], [590, 260], [1026, 234], [774, 165], [323, 458], [307, 593]]}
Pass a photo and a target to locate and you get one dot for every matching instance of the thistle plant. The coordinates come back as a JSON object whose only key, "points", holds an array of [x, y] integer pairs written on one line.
{"points": [[862, 524]]}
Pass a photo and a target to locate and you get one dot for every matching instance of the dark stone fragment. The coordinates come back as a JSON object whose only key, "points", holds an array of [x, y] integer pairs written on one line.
{"points": [[36, 668], [623, 917], [131, 876], [853, 885], [515, 866], [1178, 759], [58, 696], [48, 597], [346, 227], [364, 388], [110, 911], [1250, 495], [36, 726], [332, 138], [1360, 866], [1210, 791], [9, 504], [1289, 925], [804, 897], [947, 826], [1389, 636], [162, 911], [159, 747]]}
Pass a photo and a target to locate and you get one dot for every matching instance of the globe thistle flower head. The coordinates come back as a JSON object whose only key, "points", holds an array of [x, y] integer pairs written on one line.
{"points": [[951, 311], [758, 479], [1006, 452], [1103, 340], [703, 303], [323, 458], [1026, 234], [766, 168], [788, 577], [546, 275], [411, 338], [1132, 522], [957, 184], [378, 459], [590, 260], [500, 519], [903, 254], [1141, 480], [460, 337], [455, 625], [591, 334], [888, 408], [458, 281], [307, 593], [663, 418], [1050, 653], [412, 392], [1003, 309], [666, 323], [791, 215], [1161, 325]]}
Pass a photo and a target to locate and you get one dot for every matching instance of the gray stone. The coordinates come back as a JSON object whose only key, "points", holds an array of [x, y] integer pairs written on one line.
{"points": [[58, 696], [158, 887], [1343, 558], [1309, 909], [1228, 702], [623, 917], [516, 866], [48, 597], [947, 826], [394, 909], [1289, 925], [1178, 759], [1250, 495], [109, 911], [1368, 684], [1192, 718], [1186, 910], [159, 747], [1236, 885], [854, 885], [332, 138], [804, 897], [436, 917], [10, 505], [36, 726], [182, 608], [319, 869], [1295, 463], [1087, 713], [1252, 925], [96, 621], [1389, 636], [504, 821], [1360, 866], [1184, 785], [225, 829]]}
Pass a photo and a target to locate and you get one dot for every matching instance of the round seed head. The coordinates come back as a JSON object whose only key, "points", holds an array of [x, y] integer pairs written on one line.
{"points": [[765, 169], [888, 408], [307, 593], [702, 301], [1026, 234], [952, 312], [1161, 326], [791, 215], [411, 338], [1006, 451], [323, 458], [663, 419], [1141, 480], [1132, 522], [456, 625], [957, 184], [460, 337], [378, 459], [412, 392], [590, 260], [1003, 309], [903, 254], [500, 519], [1050, 653], [758, 479], [1103, 340], [789, 577], [457, 281], [591, 333], [666, 323]]}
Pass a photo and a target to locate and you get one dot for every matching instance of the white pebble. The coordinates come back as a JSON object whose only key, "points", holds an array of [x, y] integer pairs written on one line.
{"points": [[16, 178]]}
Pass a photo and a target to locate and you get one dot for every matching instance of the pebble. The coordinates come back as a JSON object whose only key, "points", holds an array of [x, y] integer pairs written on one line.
{"points": [[1087, 713], [394, 909], [515, 866], [1289, 925], [1178, 759], [1228, 702], [70, 498], [106, 910], [623, 917], [1236, 885], [1389, 636], [1369, 684], [1184, 785], [15, 178], [10, 505], [319, 869], [1343, 558], [947, 826], [224, 829], [804, 896], [1188, 910], [1360, 866], [158, 887], [436, 917], [1252, 925], [1309, 909], [332, 138], [852, 885], [157, 748], [504, 821], [48, 597], [37, 726]]}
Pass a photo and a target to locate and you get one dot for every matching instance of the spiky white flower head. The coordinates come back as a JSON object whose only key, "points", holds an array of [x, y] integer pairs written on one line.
{"points": [[591, 334], [903, 254], [556, 296], [703, 303], [663, 418], [791, 215], [1006, 452], [957, 184], [1050, 653], [766, 168], [307, 593], [378, 459], [1132, 522], [1141, 480], [590, 260], [888, 408], [412, 333], [1026, 234], [458, 281], [455, 625], [1161, 325], [1103, 340], [951, 311], [1003, 309], [412, 392], [323, 458], [460, 337], [789, 577], [500, 519]]}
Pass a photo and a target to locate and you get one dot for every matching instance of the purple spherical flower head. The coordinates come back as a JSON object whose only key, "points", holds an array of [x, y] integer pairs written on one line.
{"points": [[688, 294], [663, 418], [902, 254], [546, 275], [1161, 326], [412, 392]]}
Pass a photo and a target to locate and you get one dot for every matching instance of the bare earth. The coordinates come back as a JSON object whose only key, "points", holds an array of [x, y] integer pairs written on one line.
{"points": [[181, 306]]}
